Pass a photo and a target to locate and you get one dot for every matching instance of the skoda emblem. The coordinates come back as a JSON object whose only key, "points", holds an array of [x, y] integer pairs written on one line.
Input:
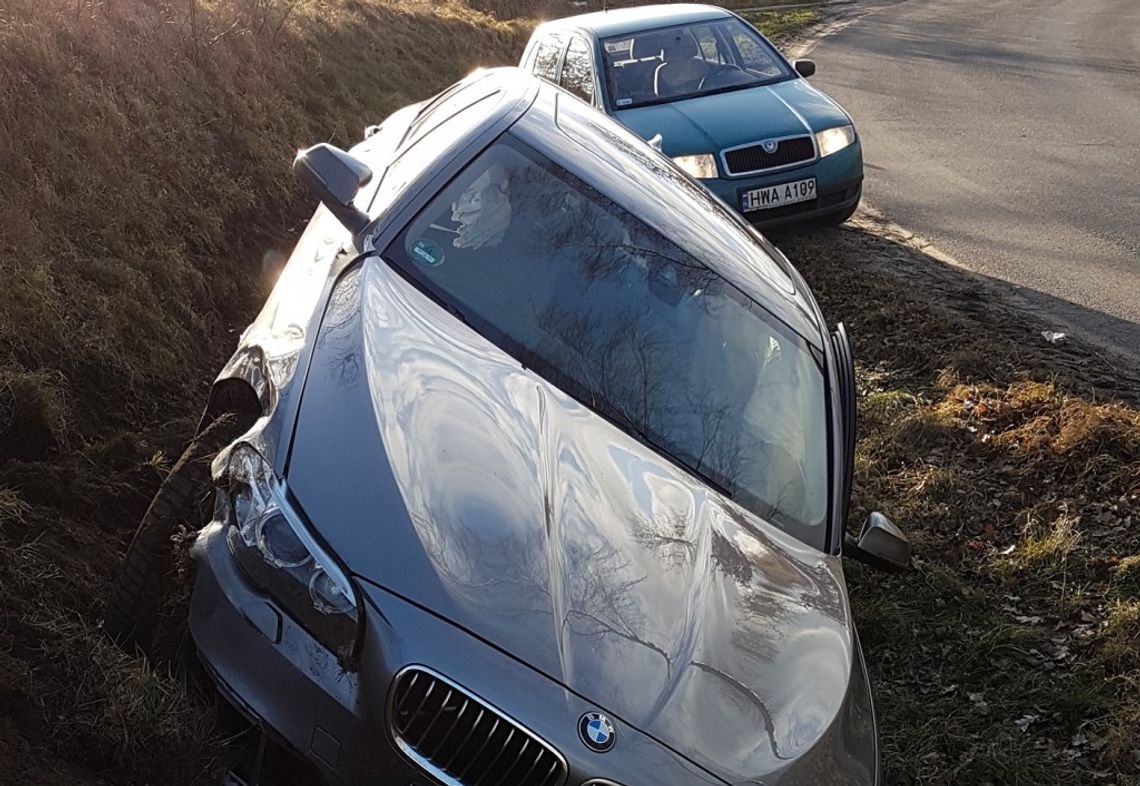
{"points": [[769, 146], [597, 732]]}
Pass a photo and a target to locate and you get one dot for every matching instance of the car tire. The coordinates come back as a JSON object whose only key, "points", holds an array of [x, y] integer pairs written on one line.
{"points": [[148, 574], [839, 216]]}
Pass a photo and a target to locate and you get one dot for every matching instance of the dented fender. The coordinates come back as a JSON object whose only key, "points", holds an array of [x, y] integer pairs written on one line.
{"points": [[263, 370], [260, 373]]}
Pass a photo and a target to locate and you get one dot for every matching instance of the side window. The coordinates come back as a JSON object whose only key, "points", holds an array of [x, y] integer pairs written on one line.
{"points": [[706, 40], [754, 56], [378, 150], [578, 70], [546, 58]]}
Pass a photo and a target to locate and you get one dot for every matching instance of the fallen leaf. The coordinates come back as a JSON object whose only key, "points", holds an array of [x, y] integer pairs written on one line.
{"points": [[1023, 723]]}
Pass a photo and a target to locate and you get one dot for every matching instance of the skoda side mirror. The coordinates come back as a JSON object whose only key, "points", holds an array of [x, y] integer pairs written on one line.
{"points": [[334, 177], [881, 545], [804, 67]]}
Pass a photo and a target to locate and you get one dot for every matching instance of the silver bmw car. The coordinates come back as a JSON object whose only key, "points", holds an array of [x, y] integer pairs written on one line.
{"points": [[536, 471]]}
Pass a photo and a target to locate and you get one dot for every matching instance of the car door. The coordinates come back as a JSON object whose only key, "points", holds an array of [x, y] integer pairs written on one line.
{"points": [[577, 74]]}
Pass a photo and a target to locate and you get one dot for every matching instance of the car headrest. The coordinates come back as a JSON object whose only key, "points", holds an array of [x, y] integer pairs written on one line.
{"points": [[648, 45], [680, 45]]}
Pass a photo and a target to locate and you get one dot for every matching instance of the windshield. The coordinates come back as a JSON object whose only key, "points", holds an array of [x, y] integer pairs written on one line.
{"points": [[671, 63], [605, 308]]}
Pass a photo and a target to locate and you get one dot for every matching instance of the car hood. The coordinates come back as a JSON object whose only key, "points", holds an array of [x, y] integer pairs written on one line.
{"points": [[712, 123], [442, 471]]}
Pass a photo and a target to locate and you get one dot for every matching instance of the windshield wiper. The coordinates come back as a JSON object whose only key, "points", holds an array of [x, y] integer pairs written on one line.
{"points": [[730, 88], [714, 92]]}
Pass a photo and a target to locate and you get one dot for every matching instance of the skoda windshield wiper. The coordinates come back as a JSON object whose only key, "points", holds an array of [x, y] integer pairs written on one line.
{"points": [[714, 92]]}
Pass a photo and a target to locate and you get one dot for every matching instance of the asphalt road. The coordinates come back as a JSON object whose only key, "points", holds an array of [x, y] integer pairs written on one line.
{"points": [[1008, 133]]}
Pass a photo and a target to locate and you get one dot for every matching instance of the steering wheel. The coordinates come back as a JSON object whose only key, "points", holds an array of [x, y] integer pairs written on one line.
{"points": [[710, 78]]}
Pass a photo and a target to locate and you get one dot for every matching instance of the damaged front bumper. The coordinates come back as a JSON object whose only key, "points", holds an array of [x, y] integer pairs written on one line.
{"points": [[284, 681]]}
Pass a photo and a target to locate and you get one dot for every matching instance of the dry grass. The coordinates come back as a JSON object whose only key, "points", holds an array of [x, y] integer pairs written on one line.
{"points": [[66, 690], [551, 9], [1021, 502], [33, 414], [1008, 655], [146, 145], [781, 24]]}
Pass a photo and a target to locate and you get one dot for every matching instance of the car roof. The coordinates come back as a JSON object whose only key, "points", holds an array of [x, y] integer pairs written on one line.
{"points": [[625, 21]]}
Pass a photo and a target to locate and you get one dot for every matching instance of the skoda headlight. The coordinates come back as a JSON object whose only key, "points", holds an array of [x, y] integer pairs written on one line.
{"points": [[279, 554], [702, 167], [834, 139]]}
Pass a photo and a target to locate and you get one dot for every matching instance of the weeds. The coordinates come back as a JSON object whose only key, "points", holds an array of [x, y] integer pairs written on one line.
{"points": [[1047, 547]]}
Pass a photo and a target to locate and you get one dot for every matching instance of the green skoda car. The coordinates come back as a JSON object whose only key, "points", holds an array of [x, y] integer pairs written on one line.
{"points": [[717, 97]]}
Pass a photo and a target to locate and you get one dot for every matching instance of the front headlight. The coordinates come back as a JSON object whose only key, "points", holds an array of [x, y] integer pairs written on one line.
{"points": [[278, 553], [702, 167], [834, 139]]}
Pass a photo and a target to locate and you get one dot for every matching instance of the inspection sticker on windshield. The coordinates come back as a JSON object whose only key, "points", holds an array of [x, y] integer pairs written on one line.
{"points": [[428, 253], [777, 196]]}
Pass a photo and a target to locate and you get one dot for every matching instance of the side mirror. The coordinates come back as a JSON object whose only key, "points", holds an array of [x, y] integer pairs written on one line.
{"points": [[804, 67], [334, 177], [881, 545]]}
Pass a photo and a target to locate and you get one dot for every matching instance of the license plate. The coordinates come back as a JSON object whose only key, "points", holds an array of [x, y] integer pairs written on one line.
{"points": [[777, 196]]}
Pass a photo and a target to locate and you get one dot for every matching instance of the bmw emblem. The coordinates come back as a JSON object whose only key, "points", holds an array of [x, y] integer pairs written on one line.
{"points": [[769, 146], [597, 732]]}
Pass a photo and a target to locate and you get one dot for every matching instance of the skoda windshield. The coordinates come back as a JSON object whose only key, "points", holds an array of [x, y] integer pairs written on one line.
{"points": [[605, 308], [685, 61]]}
